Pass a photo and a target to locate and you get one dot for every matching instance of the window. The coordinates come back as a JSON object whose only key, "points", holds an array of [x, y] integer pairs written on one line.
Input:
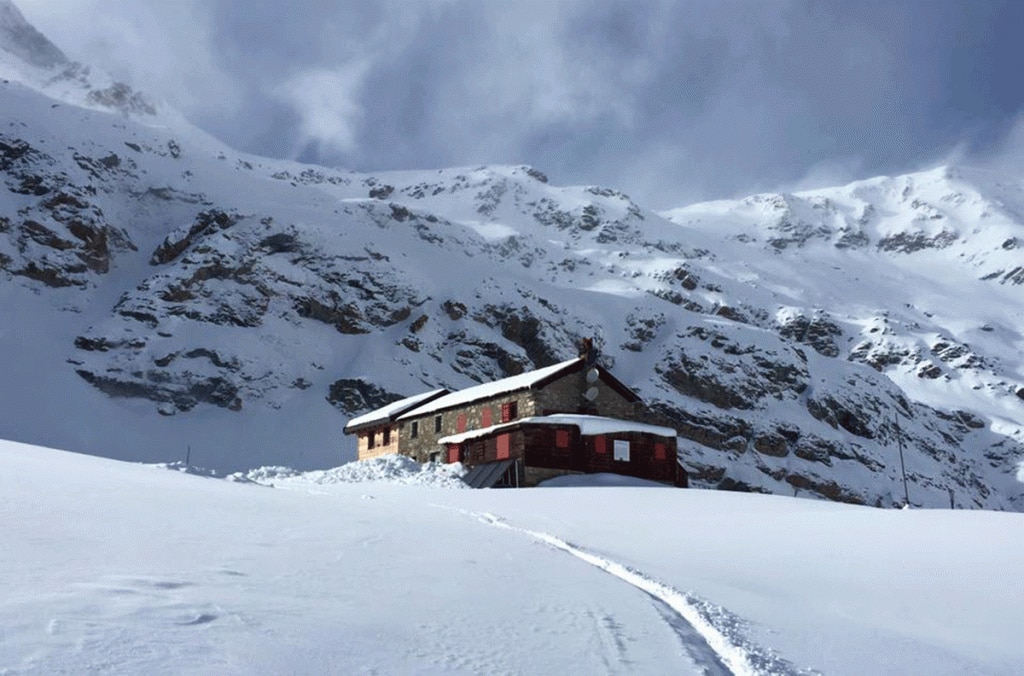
{"points": [[659, 451], [485, 417], [509, 411], [437, 425], [414, 429], [600, 445], [434, 456], [371, 438], [460, 423], [453, 452], [504, 446], [387, 436], [620, 450], [561, 438]]}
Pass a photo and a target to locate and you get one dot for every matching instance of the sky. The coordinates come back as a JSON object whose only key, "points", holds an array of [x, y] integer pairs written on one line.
{"points": [[671, 102]]}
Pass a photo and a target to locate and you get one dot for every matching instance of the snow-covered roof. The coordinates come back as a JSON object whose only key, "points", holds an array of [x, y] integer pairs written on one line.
{"points": [[393, 409], [588, 425], [498, 387]]}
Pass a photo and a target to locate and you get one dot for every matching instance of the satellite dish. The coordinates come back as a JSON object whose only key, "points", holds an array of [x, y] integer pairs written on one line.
{"points": [[591, 394], [592, 376]]}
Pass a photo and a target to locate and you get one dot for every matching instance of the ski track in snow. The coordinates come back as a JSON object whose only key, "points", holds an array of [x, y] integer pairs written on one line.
{"points": [[710, 635]]}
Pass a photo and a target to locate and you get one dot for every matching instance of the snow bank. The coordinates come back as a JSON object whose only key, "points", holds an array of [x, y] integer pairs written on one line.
{"points": [[394, 469]]}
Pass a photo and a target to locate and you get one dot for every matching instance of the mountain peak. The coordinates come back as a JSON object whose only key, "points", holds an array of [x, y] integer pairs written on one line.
{"points": [[21, 39]]}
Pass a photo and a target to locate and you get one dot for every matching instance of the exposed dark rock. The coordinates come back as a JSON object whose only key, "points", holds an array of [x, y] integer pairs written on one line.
{"points": [[818, 331], [522, 327], [910, 242], [122, 97], [103, 344], [175, 244], [280, 243], [855, 418], [770, 443], [814, 449], [536, 174], [879, 356], [473, 356], [454, 309], [346, 318], [381, 192], [736, 486], [733, 375], [353, 395], [418, 325], [184, 393], [642, 330], [722, 432], [852, 240], [828, 489]]}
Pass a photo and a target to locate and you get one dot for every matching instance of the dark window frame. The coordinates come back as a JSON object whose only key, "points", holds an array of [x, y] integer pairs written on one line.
{"points": [[509, 411]]}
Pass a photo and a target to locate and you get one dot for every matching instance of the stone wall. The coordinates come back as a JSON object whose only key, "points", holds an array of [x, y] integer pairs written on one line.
{"points": [[565, 395], [425, 442]]}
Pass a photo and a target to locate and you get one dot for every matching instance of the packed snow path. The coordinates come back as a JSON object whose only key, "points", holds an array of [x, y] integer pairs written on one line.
{"points": [[706, 641]]}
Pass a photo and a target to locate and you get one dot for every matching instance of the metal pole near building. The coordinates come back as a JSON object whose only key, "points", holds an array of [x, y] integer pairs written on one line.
{"points": [[903, 467]]}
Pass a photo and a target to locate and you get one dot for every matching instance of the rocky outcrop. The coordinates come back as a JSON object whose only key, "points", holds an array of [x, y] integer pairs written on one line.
{"points": [[730, 369], [352, 395], [61, 238], [818, 331]]}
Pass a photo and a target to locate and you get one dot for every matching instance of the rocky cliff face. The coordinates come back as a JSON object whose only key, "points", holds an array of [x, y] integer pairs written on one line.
{"points": [[794, 341]]}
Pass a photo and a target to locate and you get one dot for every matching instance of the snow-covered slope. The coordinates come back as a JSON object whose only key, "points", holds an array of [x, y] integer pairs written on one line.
{"points": [[165, 573], [165, 295]]}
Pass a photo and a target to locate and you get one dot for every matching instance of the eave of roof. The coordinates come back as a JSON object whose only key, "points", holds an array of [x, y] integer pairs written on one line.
{"points": [[523, 381], [391, 411], [588, 425]]}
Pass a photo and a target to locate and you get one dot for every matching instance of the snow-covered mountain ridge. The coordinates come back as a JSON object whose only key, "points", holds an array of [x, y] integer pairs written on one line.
{"points": [[162, 286]]}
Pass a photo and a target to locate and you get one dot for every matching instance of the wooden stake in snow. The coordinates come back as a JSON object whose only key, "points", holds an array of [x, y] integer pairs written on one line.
{"points": [[903, 467]]}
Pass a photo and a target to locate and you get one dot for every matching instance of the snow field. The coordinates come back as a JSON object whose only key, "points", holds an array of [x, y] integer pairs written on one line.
{"points": [[123, 568]]}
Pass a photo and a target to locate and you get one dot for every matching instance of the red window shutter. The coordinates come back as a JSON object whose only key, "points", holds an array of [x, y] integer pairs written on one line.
{"points": [[659, 451], [460, 423], [485, 417], [504, 446], [562, 439], [600, 445], [453, 452]]}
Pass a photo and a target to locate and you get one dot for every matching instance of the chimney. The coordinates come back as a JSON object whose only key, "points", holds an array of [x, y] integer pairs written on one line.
{"points": [[588, 352]]}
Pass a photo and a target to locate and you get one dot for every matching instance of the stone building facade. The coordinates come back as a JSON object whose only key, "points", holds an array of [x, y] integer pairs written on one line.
{"points": [[519, 410]]}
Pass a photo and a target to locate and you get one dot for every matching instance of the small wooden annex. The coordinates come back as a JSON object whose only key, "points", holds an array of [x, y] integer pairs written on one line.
{"points": [[571, 417]]}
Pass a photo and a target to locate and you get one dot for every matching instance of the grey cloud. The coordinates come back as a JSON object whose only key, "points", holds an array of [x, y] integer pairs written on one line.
{"points": [[671, 101]]}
